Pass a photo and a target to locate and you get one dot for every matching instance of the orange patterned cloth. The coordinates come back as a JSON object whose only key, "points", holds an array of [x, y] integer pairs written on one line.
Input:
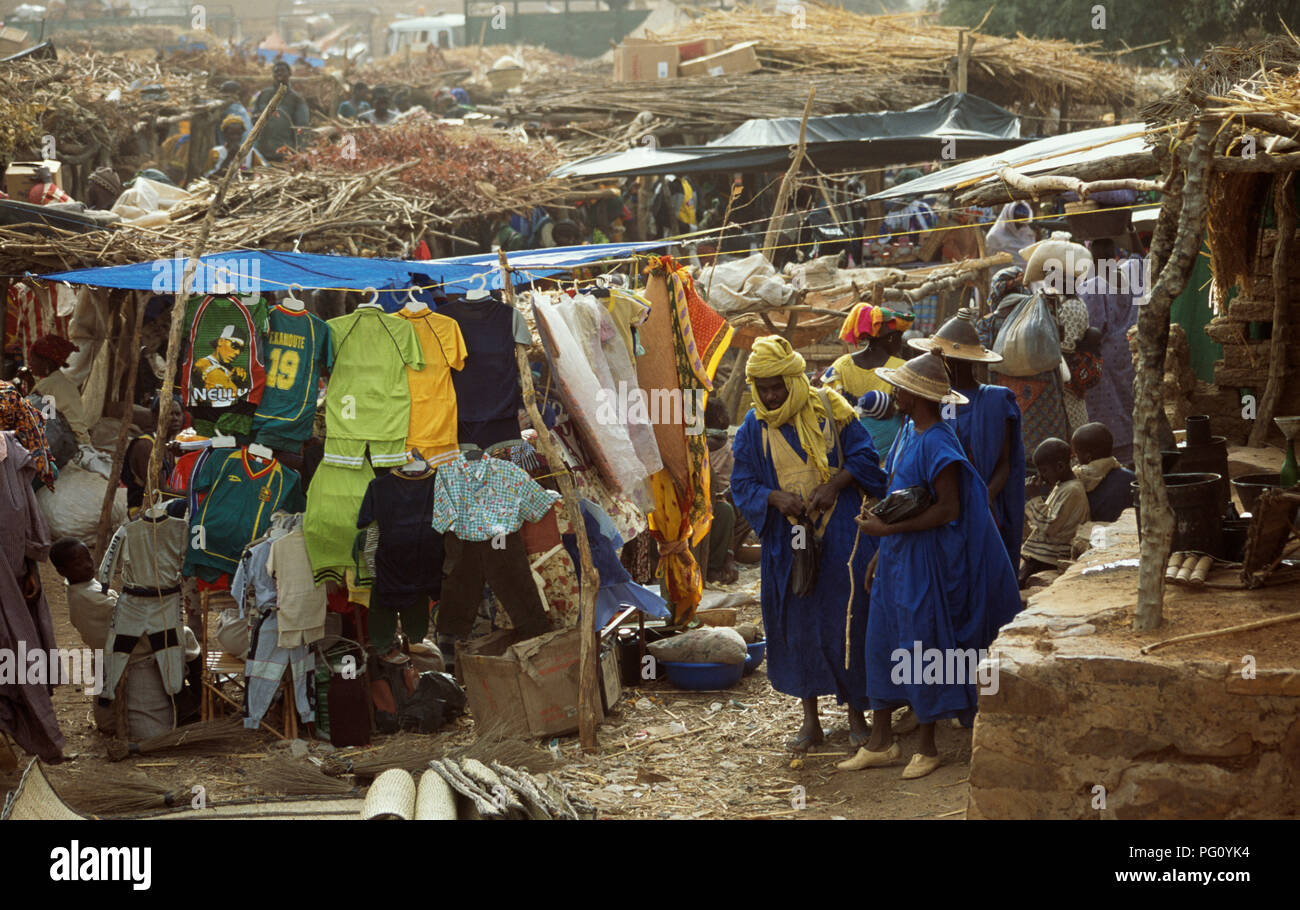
{"points": [[705, 334], [28, 427]]}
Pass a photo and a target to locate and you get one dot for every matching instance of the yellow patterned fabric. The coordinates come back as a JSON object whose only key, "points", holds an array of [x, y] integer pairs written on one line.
{"points": [[682, 515]]}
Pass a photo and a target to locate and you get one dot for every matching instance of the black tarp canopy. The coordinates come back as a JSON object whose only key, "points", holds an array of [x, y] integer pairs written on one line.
{"points": [[837, 141]]}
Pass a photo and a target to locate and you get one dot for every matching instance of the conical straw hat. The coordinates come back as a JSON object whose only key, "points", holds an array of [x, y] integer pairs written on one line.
{"points": [[957, 339], [925, 376]]}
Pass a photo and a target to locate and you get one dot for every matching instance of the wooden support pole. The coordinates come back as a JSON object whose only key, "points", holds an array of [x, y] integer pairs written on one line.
{"points": [[131, 351], [787, 182], [1173, 253], [1262, 163], [183, 292], [1139, 164], [1033, 187], [734, 387], [644, 187], [1284, 208], [588, 655], [965, 41]]}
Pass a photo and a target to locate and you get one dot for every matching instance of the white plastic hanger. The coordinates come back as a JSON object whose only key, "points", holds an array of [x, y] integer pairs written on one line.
{"points": [[478, 290], [260, 452], [223, 442], [290, 302], [157, 510], [415, 304], [373, 301]]}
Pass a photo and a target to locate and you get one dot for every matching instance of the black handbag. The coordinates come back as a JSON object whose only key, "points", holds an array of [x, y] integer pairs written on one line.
{"points": [[803, 574], [901, 505]]}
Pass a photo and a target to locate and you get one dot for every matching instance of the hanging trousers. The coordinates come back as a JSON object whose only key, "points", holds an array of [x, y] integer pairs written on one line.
{"points": [[266, 667], [468, 565], [384, 611], [159, 620]]}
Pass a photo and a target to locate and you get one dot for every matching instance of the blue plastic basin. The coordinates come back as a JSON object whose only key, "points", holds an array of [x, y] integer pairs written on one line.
{"points": [[702, 676], [757, 651]]}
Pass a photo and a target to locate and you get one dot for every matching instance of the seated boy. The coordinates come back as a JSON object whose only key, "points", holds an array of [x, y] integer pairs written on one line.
{"points": [[1052, 521], [90, 607], [1106, 481]]}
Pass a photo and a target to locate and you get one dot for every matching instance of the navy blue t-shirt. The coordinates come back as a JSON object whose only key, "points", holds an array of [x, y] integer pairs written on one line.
{"points": [[487, 388], [1112, 496], [409, 558]]}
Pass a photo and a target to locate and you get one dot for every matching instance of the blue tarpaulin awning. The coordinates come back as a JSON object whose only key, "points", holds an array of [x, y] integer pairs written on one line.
{"points": [[262, 271]]}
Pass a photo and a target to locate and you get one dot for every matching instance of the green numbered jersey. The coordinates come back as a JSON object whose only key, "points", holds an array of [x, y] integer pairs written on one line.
{"points": [[298, 354]]}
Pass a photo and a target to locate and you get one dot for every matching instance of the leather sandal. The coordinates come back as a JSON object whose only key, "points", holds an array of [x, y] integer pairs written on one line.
{"points": [[921, 765], [868, 759]]}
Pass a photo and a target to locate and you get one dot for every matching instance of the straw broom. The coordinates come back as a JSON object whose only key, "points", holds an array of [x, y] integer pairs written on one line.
{"points": [[118, 792], [298, 779], [409, 753], [214, 734], [413, 753], [494, 744]]}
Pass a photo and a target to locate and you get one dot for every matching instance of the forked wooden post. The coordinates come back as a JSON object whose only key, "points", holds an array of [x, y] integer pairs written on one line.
{"points": [[132, 353], [787, 182], [588, 656], [183, 292], [1284, 208], [1173, 252]]}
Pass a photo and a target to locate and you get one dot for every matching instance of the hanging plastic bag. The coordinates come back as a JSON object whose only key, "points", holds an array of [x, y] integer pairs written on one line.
{"points": [[1029, 341]]}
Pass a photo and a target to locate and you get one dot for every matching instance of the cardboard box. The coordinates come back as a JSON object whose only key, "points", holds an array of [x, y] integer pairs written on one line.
{"points": [[643, 61], [530, 688], [20, 177], [739, 58], [686, 50], [702, 46], [12, 40]]}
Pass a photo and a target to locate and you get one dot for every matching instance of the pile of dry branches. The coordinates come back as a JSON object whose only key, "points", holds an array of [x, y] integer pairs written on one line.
{"points": [[709, 104], [68, 99], [368, 213], [912, 48]]}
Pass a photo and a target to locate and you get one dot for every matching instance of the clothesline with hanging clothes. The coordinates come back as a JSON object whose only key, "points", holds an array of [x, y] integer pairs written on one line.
{"points": [[249, 269], [240, 268]]}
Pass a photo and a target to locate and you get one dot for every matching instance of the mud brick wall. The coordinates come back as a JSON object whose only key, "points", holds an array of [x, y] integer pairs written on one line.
{"points": [[1164, 739], [1078, 707], [1245, 362]]}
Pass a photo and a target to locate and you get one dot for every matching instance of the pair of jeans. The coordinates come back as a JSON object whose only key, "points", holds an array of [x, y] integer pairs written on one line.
{"points": [[468, 565]]}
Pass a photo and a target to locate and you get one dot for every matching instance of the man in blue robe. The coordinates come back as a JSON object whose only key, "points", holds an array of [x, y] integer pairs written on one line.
{"points": [[988, 425], [802, 460], [943, 585]]}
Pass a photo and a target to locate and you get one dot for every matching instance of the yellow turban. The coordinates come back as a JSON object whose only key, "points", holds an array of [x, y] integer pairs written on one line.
{"points": [[232, 119], [773, 355]]}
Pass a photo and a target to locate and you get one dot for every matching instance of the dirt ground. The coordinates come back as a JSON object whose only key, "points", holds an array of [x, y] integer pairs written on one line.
{"points": [[665, 753]]}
